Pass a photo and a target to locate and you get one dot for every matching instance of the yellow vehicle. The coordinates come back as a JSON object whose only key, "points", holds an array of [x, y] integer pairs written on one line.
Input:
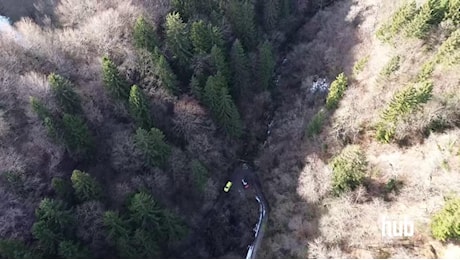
{"points": [[228, 186]]}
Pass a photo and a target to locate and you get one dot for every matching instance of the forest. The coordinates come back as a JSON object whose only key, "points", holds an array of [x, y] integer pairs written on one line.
{"points": [[122, 120]]}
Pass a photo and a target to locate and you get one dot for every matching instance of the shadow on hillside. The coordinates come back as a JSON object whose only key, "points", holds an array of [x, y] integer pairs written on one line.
{"points": [[287, 165]]}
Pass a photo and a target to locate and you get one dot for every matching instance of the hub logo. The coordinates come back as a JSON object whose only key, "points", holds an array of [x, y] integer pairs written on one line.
{"points": [[397, 227]]}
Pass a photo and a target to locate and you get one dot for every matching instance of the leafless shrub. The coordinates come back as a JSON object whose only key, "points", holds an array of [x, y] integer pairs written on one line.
{"points": [[125, 157], [154, 9], [11, 161], [74, 12], [318, 249], [15, 221], [188, 117], [91, 228]]}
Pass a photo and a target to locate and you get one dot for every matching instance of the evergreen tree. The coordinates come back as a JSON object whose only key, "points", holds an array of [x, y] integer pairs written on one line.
{"points": [[41, 110], [145, 212], [144, 34], [271, 11], [151, 143], [63, 189], [76, 135], [219, 101], [86, 187], [47, 118], [266, 65], [113, 80], [145, 243], [63, 91], [167, 77], [240, 69], [241, 16], [172, 226], [219, 61], [72, 250], [336, 91], [15, 249], [116, 226], [205, 36], [177, 38], [139, 108], [53, 224]]}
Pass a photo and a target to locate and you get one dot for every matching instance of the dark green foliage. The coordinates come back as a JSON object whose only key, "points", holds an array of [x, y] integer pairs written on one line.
{"points": [[449, 51], [204, 36], [64, 93], [189, 9], [14, 249], [336, 91], [86, 187], [76, 135], [241, 16], [151, 143], [403, 103], [431, 13], [391, 67], [402, 17], [219, 61], [166, 75], [196, 87], [72, 250], [41, 110], [266, 65], [139, 108], [349, 169], [177, 38], [220, 103], [144, 34], [63, 189], [173, 227], [145, 211], [271, 13], [240, 70], [113, 80], [445, 224], [116, 226], [44, 114], [315, 126], [53, 224], [200, 174]]}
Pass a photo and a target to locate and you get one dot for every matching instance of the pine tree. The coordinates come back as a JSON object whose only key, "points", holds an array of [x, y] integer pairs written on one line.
{"points": [[219, 101], [241, 16], [336, 91], [172, 226], [145, 243], [167, 77], [15, 249], [76, 135], [220, 63], [86, 187], [64, 93], [240, 69], [177, 38], [72, 250], [266, 65], [205, 36], [63, 189], [116, 226], [145, 211], [41, 110], [144, 34], [139, 108], [151, 143], [271, 11], [113, 80], [54, 223]]}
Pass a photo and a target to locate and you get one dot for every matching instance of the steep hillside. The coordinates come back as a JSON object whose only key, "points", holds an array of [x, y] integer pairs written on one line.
{"points": [[383, 142]]}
